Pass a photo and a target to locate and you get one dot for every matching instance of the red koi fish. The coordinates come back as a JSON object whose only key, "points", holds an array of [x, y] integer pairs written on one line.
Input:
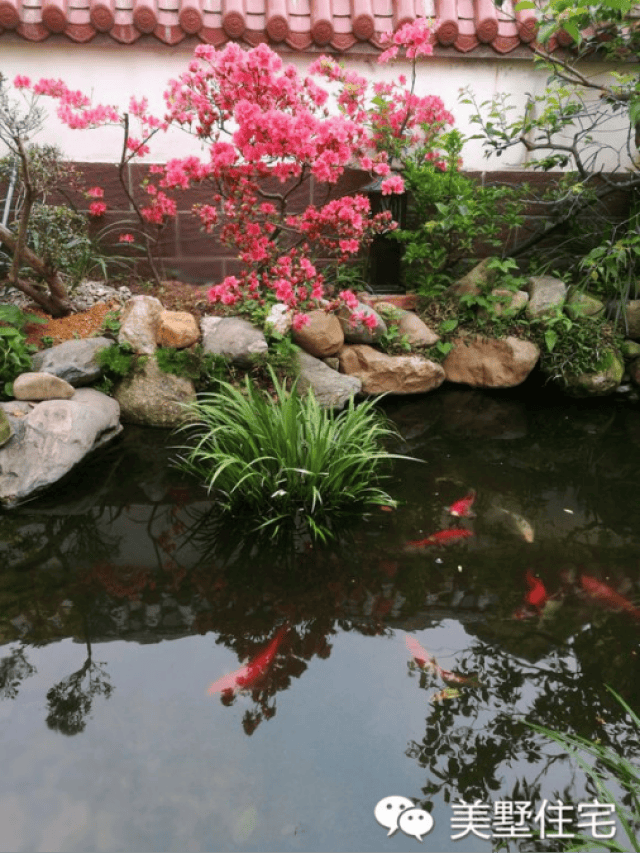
{"points": [[250, 672], [463, 506], [537, 595], [441, 538], [420, 654], [607, 596]]}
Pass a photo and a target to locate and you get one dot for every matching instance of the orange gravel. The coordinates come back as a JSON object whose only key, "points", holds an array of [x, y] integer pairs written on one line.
{"points": [[81, 325]]}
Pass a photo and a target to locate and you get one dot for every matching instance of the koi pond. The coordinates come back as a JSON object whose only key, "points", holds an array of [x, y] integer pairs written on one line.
{"points": [[172, 683]]}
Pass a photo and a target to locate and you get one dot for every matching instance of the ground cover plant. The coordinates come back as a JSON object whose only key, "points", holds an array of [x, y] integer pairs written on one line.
{"points": [[286, 460]]}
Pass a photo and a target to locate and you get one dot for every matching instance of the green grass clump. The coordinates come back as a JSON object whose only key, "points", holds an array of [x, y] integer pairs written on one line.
{"points": [[287, 461]]}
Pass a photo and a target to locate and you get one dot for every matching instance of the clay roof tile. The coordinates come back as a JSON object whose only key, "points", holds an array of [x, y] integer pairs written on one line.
{"points": [[303, 25]]}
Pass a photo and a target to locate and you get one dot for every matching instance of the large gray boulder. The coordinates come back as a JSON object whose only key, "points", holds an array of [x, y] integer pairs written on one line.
{"points": [[154, 398], [50, 438], [73, 361], [232, 337], [331, 389]]}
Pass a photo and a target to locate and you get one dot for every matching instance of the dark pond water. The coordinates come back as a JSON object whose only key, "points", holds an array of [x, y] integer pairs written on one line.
{"points": [[123, 599]]}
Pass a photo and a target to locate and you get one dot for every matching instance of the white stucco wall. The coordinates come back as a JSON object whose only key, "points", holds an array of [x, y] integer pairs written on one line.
{"points": [[111, 73]]}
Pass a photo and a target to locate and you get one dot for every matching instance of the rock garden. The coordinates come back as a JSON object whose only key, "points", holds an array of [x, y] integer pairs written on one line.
{"points": [[301, 305]]}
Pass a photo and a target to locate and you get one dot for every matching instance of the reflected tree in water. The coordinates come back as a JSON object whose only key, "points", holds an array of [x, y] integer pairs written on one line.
{"points": [[14, 669], [70, 701]]}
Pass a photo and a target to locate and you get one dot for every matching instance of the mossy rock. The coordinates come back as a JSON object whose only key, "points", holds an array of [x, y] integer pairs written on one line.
{"points": [[6, 431], [604, 380], [580, 305], [630, 349]]}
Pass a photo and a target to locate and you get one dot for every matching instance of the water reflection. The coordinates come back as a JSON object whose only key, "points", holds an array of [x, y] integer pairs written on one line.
{"points": [[546, 616]]}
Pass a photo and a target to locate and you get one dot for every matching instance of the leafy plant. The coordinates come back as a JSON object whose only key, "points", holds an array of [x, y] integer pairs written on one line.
{"points": [[281, 359], [286, 461], [111, 322], [15, 353], [393, 342], [449, 215], [204, 369], [607, 764], [573, 347], [117, 362]]}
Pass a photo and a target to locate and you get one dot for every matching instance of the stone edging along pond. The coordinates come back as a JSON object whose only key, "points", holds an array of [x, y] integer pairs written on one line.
{"points": [[57, 419]]}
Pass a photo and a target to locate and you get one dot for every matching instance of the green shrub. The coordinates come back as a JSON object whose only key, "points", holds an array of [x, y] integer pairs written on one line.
{"points": [[449, 216], [203, 369], [117, 361], [286, 461], [15, 353]]}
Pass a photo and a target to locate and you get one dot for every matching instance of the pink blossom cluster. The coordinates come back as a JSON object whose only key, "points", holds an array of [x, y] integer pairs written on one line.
{"points": [[416, 39], [267, 132]]}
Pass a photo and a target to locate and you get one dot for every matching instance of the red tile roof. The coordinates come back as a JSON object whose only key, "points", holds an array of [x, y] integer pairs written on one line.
{"points": [[302, 25]]}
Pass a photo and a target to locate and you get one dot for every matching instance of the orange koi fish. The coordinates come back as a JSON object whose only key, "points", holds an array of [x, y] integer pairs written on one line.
{"points": [[463, 506], [250, 672], [441, 538], [423, 659], [607, 596], [420, 654]]}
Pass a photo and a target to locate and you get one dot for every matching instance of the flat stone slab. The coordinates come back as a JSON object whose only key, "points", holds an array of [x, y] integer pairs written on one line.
{"points": [[35, 385]]}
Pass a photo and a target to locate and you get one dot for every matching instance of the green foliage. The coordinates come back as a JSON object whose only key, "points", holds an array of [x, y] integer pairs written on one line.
{"points": [[573, 347], [281, 359], [612, 269], [449, 215], [602, 763], [112, 323], [286, 461], [117, 362], [59, 237], [203, 369], [340, 277], [393, 342], [15, 353]]}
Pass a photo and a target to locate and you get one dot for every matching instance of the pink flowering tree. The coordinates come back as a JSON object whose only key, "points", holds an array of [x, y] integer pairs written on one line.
{"points": [[268, 132], [399, 124], [265, 131]]}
